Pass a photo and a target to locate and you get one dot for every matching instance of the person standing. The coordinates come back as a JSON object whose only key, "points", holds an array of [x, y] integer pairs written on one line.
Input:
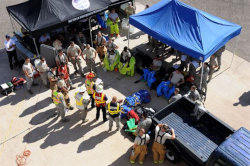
{"points": [[61, 57], [159, 148], [100, 43], [74, 53], [81, 40], [89, 84], [10, 46], [29, 74], [145, 124], [140, 147], [59, 101], [149, 37], [130, 10], [82, 102], [62, 69], [113, 20], [65, 90], [90, 57], [213, 65], [176, 96], [52, 79], [114, 113], [218, 55], [42, 68], [100, 101], [155, 45]]}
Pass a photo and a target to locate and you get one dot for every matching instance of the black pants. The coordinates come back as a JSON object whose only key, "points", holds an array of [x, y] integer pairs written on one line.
{"points": [[103, 113], [92, 100], [12, 54]]}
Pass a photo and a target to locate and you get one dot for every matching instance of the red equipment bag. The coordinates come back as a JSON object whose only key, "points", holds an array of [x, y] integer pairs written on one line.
{"points": [[131, 114], [17, 81]]}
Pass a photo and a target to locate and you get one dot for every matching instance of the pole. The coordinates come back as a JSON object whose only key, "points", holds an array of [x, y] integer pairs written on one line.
{"points": [[36, 47], [12, 23], [234, 51], [90, 31], [202, 68], [128, 34]]}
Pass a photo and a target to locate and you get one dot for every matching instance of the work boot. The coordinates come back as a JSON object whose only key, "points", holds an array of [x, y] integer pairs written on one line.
{"points": [[110, 129], [30, 92], [217, 69], [208, 81], [72, 87], [93, 106], [104, 120], [65, 120], [132, 162], [160, 162], [34, 84], [141, 162], [84, 121], [71, 108], [117, 129], [155, 162]]}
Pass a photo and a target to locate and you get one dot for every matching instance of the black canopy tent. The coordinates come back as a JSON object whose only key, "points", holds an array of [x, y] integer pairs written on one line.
{"points": [[42, 16]]}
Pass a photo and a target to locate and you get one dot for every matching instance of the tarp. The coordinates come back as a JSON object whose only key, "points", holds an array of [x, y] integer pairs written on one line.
{"points": [[185, 28], [42, 16]]}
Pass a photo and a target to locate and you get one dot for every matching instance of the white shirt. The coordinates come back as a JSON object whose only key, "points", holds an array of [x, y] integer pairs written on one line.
{"points": [[43, 39], [42, 67], [158, 139], [138, 140], [113, 16], [176, 77], [9, 43], [126, 55], [27, 67]]}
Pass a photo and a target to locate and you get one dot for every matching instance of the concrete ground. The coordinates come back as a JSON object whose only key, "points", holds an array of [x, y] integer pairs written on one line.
{"points": [[26, 125]]}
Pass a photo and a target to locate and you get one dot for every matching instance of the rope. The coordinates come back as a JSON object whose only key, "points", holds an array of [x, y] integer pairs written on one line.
{"points": [[22, 158]]}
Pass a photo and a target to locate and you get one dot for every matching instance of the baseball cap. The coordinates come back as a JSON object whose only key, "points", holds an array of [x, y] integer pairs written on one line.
{"points": [[7, 36]]}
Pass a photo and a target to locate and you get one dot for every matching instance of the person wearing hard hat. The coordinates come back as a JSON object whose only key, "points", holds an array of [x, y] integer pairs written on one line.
{"points": [[59, 101], [90, 84], [114, 113], [140, 147], [82, 102], [100, 101]]}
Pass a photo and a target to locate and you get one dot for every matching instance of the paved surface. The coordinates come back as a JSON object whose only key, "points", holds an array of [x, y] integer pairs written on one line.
{"points": [[24, 117]]}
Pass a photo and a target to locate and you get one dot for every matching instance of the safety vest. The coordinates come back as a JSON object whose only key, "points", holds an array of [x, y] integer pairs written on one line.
{"points": [[56, 97], [65, 71], [113, 110], [89, 86], [99, 98], [78, 100]]}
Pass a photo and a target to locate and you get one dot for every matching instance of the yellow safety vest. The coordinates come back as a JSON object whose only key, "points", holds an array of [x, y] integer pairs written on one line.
{"points": [[56, 97], [79, 101], [113, 110], [89, 86], [99, 99]]}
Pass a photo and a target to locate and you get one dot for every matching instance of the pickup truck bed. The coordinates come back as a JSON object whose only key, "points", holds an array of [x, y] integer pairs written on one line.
{"points": [[200, 137]]}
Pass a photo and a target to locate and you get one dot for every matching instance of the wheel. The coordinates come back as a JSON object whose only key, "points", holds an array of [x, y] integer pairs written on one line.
{"points": [[172, 155]]}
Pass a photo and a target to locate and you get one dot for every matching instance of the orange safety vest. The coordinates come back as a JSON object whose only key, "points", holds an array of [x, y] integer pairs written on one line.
{"points": [[65, 71], [99, 99]]}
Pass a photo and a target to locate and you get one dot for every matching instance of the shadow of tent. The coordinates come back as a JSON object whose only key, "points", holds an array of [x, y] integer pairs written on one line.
{"points": [[93, 141], [244, 99]]}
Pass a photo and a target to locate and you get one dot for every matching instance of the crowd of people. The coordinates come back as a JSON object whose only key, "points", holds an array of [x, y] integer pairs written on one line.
{"points": [[57, 78]]}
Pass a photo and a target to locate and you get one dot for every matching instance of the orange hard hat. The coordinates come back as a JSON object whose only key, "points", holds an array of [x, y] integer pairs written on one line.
{"points": [[90, 75]]}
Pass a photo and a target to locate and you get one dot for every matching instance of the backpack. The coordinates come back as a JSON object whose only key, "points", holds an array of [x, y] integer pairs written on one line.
{"points": [[131, 115], [124, 111], [145, 96], [132, 101]]}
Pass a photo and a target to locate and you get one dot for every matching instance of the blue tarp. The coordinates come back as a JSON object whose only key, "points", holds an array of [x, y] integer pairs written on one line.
{"points": [[185, 28]]}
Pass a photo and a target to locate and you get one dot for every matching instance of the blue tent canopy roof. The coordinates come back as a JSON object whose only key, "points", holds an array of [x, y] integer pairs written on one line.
{"points": [[185, 28]]}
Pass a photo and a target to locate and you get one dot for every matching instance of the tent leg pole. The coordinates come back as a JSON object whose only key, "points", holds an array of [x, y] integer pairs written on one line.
{"points": [[35, 46], [128, 35], [234, 51], [12, 23], [90, 31], [202, 68]]}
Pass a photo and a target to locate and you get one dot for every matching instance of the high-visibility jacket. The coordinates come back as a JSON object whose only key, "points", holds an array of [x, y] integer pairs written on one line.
{"points": [[99, 99], [56, 97], [65, 71], [89, 86], [113, 110]]}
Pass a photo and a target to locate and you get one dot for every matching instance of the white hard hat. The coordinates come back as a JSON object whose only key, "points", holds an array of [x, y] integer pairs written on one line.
{"points": [[82, 89], [99, 89]]}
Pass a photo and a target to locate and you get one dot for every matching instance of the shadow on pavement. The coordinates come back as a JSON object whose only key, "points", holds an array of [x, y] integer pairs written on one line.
{"points": [[93, 141], [244, 99]]}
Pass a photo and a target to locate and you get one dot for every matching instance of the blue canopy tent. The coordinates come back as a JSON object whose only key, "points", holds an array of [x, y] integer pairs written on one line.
{"points": [[185, 28]]}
